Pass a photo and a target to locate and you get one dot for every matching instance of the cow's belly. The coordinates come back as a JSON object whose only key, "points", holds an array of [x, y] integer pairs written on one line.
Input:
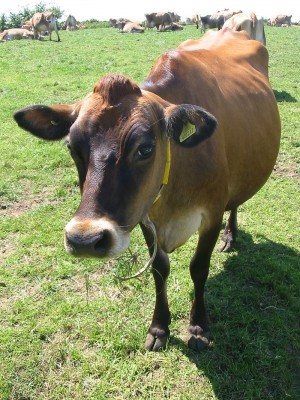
{"points": [[43, 28], [176, 231]]}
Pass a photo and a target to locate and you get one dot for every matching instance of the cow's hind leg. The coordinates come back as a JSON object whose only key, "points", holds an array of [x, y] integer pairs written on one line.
{"points": [[230, 232], [199, 268], [158, 333]]}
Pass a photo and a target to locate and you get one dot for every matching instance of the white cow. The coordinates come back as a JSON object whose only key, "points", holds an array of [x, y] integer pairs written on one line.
{"points": [[247, 22]]}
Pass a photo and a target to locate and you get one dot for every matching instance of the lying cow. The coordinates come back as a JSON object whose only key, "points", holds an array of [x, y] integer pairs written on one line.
{"points": [[45, 21], [200, 136], [247, 22], [27, 25], [15, 34], [174, 27], [120, 23], [133, 27]]}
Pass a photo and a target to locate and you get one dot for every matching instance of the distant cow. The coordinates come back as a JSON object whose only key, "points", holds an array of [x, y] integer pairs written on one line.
{"points": [[271, 22], [199, 136], [15, 34], [133, 27], [112, 22], [158, 19], [175, 17], [120, 23], [249, 23], [195, 20], [212, 21], [216, 20], [27, 25], [174, 27], [45, 21], [283, 20], [71, 23]]}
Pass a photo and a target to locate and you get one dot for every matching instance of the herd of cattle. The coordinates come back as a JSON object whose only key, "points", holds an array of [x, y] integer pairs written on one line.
{"points": [[39, 23], [168, 21]]}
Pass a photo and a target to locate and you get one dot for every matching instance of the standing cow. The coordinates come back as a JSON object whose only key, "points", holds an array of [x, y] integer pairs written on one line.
{"points": [[158, 20], [216, 20], [71, 23], [200, 136], [212, 21], [282, 19], [44, 21]]}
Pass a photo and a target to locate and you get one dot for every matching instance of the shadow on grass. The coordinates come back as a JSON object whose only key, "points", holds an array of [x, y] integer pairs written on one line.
{"points": [[253, 308], [284, 96]]}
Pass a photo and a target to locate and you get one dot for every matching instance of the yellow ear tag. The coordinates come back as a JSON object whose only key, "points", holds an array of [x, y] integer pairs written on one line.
{"points": [[188, 130]]}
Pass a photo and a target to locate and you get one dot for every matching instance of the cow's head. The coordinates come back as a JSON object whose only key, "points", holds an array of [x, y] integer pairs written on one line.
{"points": [[117, 136]]}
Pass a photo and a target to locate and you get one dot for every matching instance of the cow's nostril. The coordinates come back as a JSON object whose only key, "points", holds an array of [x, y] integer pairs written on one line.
{"points": [[90, 245], [103, 242]]}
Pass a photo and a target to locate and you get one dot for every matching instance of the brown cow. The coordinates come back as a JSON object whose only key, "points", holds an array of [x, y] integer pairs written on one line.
{"points": [[45, 21], [133, 27], [15, 34], [71, 23], [27, 25], [200, 136]]}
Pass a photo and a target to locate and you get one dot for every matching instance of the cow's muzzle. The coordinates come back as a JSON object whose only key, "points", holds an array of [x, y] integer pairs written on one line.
{"points": [[95, 238]]}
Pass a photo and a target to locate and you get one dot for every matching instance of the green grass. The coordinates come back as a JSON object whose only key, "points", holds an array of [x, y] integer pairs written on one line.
{"points": [[68, 328]]}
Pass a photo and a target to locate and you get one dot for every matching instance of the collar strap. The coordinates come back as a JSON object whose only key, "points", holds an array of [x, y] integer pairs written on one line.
{"points": [[167, 170]]}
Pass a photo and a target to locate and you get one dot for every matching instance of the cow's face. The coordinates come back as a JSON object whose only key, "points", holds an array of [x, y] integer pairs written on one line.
{"points": [[119, 151], [117, 137]]}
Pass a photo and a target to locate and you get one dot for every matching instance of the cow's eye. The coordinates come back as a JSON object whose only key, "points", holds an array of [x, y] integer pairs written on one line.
{"points": [[145, 150]]}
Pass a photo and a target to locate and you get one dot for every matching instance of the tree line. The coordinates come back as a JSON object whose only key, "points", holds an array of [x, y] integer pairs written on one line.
{"points": [[16, 20]]}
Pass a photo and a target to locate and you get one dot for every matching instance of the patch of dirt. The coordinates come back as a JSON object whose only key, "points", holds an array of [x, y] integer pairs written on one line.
{"points": [[7, 247], [29, 202], [286, 170]]}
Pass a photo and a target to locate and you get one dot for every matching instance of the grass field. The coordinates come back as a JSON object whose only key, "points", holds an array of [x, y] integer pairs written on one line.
{"points": [[68, 328]]}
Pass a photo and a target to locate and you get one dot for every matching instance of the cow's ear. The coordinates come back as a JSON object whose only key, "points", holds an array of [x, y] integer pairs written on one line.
{"points": [[47, 122], [189, 125]]}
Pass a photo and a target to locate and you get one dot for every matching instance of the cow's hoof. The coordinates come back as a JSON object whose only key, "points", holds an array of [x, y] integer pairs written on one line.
{"points": [[156, 340], [226, 246], [199, 339]]}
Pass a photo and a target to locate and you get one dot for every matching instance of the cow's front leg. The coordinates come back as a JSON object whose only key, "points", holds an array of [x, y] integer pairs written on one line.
{"points": [[199, 268], [158, 333]]}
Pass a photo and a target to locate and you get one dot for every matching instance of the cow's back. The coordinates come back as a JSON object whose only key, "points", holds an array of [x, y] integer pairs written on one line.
{"points": [[226, 74]]}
